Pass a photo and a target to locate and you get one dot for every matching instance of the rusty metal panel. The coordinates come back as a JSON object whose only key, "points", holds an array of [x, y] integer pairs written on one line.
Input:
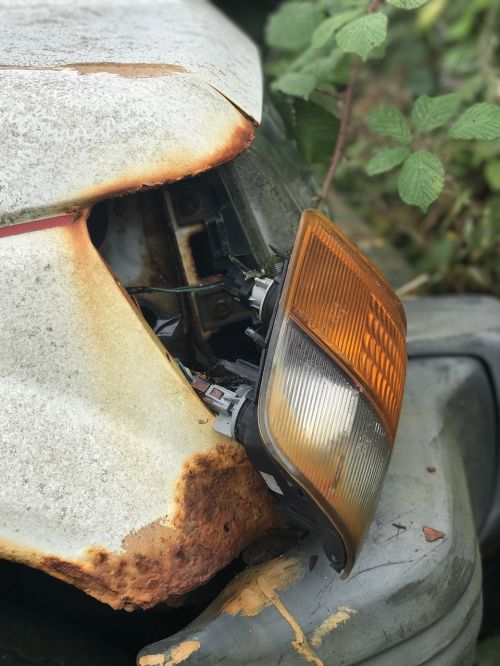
{"points": [[100, 98], [112, 476]]}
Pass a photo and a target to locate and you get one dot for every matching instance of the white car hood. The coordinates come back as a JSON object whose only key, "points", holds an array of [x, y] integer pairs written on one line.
{"points": [[104, 97]]}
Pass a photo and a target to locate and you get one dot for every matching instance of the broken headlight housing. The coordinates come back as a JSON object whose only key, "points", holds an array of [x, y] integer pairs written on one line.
{"points": [[320, 420]]}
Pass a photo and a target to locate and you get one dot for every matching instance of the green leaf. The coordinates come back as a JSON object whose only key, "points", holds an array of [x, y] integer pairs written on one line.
{"points": [[492, 174], [389, 121], [296, 84], [329, 27], [421, 179], [363, 34], [291, 27], [407, 4], [315, 131], [334, 6], [480, 121], [323, 68], [431, 112], [386, 159]]}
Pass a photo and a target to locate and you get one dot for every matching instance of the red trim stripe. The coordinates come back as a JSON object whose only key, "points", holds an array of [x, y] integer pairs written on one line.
{"points": [[36, 225]]}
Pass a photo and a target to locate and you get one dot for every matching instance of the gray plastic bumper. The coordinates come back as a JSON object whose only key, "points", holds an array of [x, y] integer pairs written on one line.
{"points": [[408, 601]]}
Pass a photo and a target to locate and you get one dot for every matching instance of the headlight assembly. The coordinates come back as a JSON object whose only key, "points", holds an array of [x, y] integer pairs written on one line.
{"points": [[333, 378], [321, 419]]}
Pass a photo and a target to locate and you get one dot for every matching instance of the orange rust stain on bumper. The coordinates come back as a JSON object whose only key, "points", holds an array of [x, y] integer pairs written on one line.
{"points": [[178, 655], [257, 588], [300, 643], [223, 506], [245, 596]]}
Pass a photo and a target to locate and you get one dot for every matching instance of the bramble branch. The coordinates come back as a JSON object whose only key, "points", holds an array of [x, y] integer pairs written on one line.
{"points": [[338, 152]]}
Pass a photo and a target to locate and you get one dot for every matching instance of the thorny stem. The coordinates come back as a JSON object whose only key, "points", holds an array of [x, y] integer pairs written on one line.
{"points": [[338, 151]]}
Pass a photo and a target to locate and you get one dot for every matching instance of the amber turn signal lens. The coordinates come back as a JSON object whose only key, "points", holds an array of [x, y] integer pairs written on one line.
{"points": [[334, 377], [342, 301]]}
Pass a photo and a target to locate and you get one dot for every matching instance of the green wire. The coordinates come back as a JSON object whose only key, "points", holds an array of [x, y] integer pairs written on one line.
{"points": [[174, 290]]}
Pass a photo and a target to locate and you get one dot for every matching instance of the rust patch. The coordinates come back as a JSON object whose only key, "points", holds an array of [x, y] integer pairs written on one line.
{"points": [[178, 654], [184, 237], [337, 619], [244, 596], [221, 132], [176, 167], [223, 506], [133, 70]]}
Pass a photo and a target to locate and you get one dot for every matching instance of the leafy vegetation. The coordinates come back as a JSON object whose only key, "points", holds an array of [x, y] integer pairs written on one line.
{"points": [[395, 103]]}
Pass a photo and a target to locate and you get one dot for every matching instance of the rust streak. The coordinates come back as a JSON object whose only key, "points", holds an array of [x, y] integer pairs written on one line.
{"points": [[176, 167], [300, 644], [134, 70], [178, 654]]}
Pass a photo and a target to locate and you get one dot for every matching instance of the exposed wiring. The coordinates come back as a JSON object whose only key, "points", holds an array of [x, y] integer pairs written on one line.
{"points": [[247, 272], [174, 290]]}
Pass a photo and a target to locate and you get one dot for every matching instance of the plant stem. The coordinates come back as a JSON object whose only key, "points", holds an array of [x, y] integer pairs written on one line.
{"points": [[338, 151]]}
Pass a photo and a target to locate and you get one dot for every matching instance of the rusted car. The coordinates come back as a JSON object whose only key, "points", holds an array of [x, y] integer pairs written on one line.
{"points": [[202, 378]]}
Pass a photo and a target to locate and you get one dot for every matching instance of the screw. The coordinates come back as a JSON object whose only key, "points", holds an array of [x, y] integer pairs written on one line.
{"points": [[221, 308]]}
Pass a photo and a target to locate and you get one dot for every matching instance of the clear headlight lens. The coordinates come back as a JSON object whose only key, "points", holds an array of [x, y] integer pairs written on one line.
{"points": [[333, 380]]}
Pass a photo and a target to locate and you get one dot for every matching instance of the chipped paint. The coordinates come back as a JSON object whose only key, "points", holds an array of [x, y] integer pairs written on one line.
{"points": [[256, 589], [152, 660], [110, 481], [431, 534], [336, 620], [178, 654], [151, 97], [244, 595], [300, 643]]}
